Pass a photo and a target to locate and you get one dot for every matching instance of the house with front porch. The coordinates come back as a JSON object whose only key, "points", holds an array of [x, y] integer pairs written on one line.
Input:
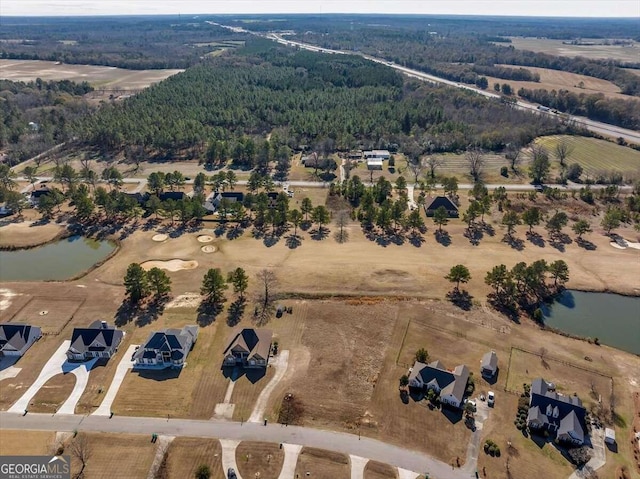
{"points": [[449, 385], [249, 348], [99, 340], [168, 348]]}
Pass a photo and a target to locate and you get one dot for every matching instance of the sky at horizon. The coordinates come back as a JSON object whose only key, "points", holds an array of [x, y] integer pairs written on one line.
{"points": [[547, 8]]}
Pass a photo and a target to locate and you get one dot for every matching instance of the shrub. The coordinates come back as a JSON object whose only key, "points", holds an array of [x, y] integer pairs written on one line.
{"points": [[579, 455], [574, 171], [504, 171], [203, 472]]}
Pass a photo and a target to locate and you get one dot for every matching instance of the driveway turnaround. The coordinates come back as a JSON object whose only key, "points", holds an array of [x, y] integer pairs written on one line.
{"points": [[280, 362], [123, 368], [321, 439], [229, 455], [357, 466], [81, 372], [53, 367], [291, 453]]}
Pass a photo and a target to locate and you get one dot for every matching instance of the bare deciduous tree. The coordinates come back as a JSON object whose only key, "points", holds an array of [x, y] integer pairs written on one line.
{"points": [[433, 162], [475, 160], [342, 220], [85, 161], [80, 449], [513, 154], [268, 281], [563, 150], [415, 167]]}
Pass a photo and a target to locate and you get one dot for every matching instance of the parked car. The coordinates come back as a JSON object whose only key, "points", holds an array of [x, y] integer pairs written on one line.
{"points": [[491, 398], [231, 474]]}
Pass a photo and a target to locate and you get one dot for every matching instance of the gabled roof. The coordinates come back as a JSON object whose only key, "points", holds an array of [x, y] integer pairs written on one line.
{"points": [[489, 361], [99, 336], [459, 385], [14, 336], [439, 201], [435, 374], [563, 406], [177, 342], [571, 426], [537, 416], [255, 342]]}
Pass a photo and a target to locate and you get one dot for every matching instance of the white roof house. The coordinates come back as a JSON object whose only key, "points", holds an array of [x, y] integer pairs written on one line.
{"points": [[384, 154], [374, 163]]}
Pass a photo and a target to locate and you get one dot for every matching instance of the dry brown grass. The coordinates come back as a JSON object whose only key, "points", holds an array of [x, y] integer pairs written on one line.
{"points": [[557, 47], [378, 470], [186, 454], [26, 234], [569, 379], [247, 389], [99, 76], [323, 464], [59, 312], [259, 459], [26, 443], [53, 393], [125, 456]]}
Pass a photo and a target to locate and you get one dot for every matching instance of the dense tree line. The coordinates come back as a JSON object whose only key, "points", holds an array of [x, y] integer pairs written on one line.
{"points": [[615, 111], [35, 116], [125, 42], [342, 102]]}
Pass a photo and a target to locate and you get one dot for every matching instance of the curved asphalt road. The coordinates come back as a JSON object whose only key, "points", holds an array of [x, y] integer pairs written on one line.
{"points": [[330, 440]]}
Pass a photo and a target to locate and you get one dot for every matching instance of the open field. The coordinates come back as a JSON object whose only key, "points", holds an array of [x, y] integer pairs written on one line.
{"points": [[55, 313], [557, 47], [561, 80], [100, 77], [53, 393], [378, 470], [118, 455], [596, 156], [186, 454], [321, 464], [25, 443], [259, 459], [590, 386]]}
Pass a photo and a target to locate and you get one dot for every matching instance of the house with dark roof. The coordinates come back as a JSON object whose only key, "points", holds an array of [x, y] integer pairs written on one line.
{"points": [[272, 198], [99, 340], [438, 201], [16, 338], [140, 198], [35, 195], [172, 195], [556, 413], [168, 348], [212, 204], [449, 385], [249, 348], [489, 364]]}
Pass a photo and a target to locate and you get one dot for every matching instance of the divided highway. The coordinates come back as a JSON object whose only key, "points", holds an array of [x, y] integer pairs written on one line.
{"points": [[591, 125]]}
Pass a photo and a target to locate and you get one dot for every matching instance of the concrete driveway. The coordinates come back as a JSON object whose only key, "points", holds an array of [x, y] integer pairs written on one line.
{"points": [[123, 368], [280, 362]]}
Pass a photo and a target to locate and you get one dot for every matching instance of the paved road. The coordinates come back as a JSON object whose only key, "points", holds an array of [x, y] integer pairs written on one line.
{"points": [[591, 125], [330, 440]]}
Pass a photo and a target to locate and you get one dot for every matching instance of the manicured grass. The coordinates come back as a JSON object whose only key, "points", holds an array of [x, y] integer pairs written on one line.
{"points": [[596, 156], [53, 393], [118, 455], [247, 389], [57, 313]]}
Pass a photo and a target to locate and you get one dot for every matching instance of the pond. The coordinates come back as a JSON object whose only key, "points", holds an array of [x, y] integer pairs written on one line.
{"points": [[612, 318], [63, 259]]}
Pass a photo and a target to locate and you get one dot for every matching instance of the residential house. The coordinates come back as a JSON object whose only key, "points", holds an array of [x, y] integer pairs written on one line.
{"points": [[212, 204], [438, 201], [449, 385], [35, 195], [489, 364], [381, 154], [168, 348], [99, 340], [172, 195], [249, 348], [272, 198], [140, 198], [16, 338], [557, 413]]}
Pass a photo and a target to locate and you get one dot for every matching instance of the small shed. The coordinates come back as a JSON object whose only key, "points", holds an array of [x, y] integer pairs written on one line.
{"points": [[374, 163], [489, 364], [609, 436]]}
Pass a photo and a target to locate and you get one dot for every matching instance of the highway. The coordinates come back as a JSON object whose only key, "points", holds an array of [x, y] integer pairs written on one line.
{"points": [[600, 128]]}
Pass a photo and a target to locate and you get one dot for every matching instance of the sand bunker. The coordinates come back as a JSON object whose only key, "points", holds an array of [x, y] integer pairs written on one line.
{"points": [[209, 249], [622, 243], [171, 265], [186, 300], [205, 239], [159, 237]]}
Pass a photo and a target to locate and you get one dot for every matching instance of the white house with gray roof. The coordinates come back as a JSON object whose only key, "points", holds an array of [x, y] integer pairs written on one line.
{"points": [[16, 338], [168, 348], [99, 340], [449, 385]]}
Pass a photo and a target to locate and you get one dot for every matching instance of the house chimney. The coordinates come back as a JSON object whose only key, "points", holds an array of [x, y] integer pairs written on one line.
{"points": [[104, 324]]}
